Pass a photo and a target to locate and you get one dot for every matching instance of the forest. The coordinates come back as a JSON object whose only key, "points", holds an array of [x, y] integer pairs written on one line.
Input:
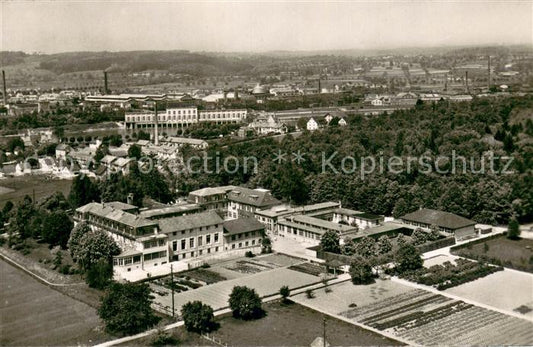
{"points": [[501, 126]]}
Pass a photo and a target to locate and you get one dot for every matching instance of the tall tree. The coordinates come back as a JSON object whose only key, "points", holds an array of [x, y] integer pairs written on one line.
{"points": [[330, 242], [56, 228], [513, 230], [83, 191], [408, 258]]}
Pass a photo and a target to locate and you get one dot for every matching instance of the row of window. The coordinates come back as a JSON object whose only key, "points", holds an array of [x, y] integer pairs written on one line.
{"points": [[200, 240], [245, 235], [154, 243], [155, 255], [245, 244], [207, 227], [193, 254]]}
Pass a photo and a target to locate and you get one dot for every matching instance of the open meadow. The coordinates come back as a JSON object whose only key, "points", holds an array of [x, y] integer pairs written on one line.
{"points": [[40, 185], [32, 314]]}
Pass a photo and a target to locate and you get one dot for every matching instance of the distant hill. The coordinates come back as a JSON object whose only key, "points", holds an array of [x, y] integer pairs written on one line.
{"points": [[135, 61]]}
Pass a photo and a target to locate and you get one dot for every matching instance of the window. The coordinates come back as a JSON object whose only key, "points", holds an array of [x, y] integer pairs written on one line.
{"points": [[182, 244], [233, 246], [200, 239], [191, 242], [200, 252], [207, 239], [216, 249], [174, 246], [209, 250], [240, 244], [232, 237]]}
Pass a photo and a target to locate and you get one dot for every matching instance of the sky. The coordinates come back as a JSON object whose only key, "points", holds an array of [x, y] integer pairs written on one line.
{"points": [[238, 26]]}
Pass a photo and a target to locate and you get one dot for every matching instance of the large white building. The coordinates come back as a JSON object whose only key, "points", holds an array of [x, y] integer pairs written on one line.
{"points": [[181, 117]]}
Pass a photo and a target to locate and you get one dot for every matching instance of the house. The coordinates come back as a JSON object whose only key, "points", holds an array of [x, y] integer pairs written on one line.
{"points": [[122, 165], [107, 160], [268, 125], [62, 151], [210, 198], [405, 98], [243, 202], [361, 219], [312, 125], [460, 227], [342, 122], [179, 142], [243, 233], [328, 118]]}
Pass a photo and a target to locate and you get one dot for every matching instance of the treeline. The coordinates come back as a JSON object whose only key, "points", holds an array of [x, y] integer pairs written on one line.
{"points": [[174, 61], [117, 187], [469, 130]]}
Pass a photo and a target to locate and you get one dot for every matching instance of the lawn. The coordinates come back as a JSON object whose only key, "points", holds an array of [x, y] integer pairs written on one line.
{"points": [[33, 314], [284, 325], [43, 187], [516, 254]]}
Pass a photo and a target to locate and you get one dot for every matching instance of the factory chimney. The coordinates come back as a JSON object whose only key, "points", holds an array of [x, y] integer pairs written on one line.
{"points": [[4, 85], [489, 72], [319, 86], [106, 90], [466, 82], [156, 130]]}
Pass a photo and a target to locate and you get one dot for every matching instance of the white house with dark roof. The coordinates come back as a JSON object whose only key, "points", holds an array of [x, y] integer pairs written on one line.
{"points": [[243, 202], [312, 125]]}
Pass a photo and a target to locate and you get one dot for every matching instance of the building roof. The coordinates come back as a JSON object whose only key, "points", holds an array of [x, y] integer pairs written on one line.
{"points": [[156, 212], [253, 197], [242, 225], [108, 159], [439, 218], [319, 206], [109, 212], [119, 205], [185, 140], [190, 221], [321, 223], [211, 191], [63, 147], [358, 214]]}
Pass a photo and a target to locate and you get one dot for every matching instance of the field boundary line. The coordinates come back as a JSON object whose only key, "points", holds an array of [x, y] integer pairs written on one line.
{"points": [[33, 274], [459, 298]]}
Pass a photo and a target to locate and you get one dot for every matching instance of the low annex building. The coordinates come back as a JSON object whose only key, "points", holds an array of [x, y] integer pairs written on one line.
{"points": [[449, 223]]}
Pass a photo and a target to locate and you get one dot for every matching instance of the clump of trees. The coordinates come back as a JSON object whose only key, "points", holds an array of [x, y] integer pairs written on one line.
{"points": [[126, 308], [245, 303], [361, 271]]}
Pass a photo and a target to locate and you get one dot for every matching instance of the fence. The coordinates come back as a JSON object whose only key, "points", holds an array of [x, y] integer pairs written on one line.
{"points": [[213, 339]]}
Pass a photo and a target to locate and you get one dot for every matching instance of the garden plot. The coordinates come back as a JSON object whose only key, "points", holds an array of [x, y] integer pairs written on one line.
{"points": [[438, 260], [217, 295], [507, 290], [420, 316]]}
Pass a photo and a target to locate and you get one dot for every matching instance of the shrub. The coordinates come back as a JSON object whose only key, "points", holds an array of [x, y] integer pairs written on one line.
{"points": [[284, 292], [309, 294], [361, 271], [249, 254]]}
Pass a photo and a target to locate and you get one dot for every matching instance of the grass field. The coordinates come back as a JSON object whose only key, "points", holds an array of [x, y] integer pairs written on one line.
{"points": [[516, 254], [284, 325], [32, 314], [25, 185]]}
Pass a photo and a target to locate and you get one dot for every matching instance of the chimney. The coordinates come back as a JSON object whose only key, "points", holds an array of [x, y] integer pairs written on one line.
{"points": [[106, 90], [490, 75], [156, 130], [5, 89], [466, 82], [236, 93], [319, 86]]}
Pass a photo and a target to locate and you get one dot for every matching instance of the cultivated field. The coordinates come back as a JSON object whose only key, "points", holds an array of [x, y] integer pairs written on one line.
{"points": [[507, 290], [32, 314], [419, 316], [217, 295], [26, 185]]}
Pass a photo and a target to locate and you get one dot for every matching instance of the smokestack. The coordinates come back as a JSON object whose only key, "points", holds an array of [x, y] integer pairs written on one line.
{"points": [[466, 81], [446, 82], [490, 76], [319, 86], [236, 93], [5, 89], [106, 90], [156, 130]]}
